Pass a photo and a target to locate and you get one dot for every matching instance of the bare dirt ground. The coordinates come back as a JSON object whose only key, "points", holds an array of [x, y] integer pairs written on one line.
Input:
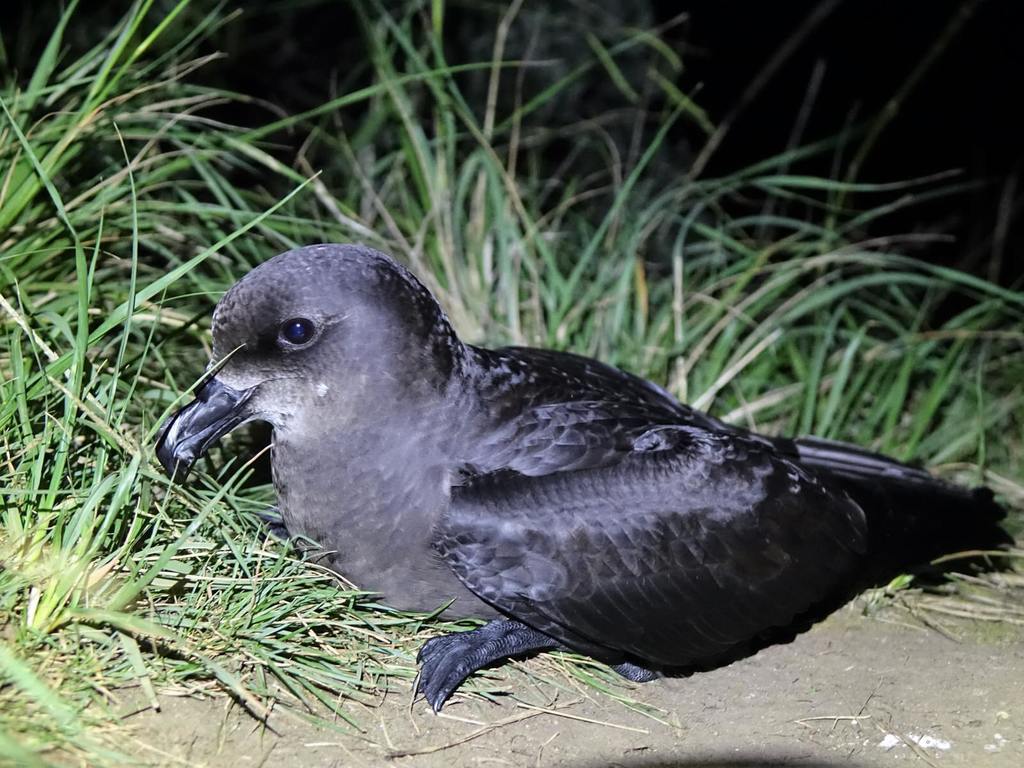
{"points": [[853, 691]]}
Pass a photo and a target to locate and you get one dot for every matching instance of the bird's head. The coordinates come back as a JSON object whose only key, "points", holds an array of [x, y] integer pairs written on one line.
{"points": [[315, 338]]}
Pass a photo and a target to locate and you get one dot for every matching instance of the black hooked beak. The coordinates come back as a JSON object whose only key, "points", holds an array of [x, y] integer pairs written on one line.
{"points": [[187, 434]]}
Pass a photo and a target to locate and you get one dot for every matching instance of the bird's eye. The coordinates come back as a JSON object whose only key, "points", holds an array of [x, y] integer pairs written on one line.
{"points": [[298, 330]]}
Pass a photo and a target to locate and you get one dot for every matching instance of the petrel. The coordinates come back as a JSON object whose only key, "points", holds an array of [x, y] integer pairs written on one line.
{"points": [[565, 502]]}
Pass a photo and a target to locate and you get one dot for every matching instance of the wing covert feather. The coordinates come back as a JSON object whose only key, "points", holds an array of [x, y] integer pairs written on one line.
{"points": [[673, 556], [555, 412]]}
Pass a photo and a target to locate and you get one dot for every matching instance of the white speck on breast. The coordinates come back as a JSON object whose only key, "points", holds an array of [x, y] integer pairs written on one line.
{"points": [[321, 389]]}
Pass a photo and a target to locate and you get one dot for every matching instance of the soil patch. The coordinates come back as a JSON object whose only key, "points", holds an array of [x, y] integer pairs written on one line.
{"points": [[853, 691]]}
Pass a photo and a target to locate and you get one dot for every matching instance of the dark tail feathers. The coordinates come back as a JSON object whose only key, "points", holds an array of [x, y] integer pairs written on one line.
{"points": [[913, 518]]}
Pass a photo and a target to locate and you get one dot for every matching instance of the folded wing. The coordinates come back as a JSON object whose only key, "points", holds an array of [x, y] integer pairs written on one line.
{"points": [[691, 544]]}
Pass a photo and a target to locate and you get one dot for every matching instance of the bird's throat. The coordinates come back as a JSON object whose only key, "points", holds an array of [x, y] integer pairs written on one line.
{"points": [[370, 505]]}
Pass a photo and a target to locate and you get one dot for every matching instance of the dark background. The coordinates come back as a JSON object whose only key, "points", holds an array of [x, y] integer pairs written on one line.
{"points": [[963, 113]]}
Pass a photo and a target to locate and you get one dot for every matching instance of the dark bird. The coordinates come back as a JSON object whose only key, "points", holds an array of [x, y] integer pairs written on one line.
{"points": [[568, 503]]}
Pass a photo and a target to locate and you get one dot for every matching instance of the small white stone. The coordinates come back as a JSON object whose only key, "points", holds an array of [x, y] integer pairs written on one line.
{"points": [[931, 742], [891, 740], [321, 389]]}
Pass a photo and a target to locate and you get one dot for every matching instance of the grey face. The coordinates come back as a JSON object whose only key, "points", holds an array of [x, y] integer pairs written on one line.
{"points": [[304, 341]]}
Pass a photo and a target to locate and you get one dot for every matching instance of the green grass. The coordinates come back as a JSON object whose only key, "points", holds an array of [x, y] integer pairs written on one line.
{"points": [[126, 209]]}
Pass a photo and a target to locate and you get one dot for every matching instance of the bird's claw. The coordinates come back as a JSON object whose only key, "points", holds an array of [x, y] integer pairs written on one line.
{"points": [[445, 662]]}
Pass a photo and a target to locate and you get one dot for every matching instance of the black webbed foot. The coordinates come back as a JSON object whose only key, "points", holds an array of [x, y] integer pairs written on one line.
{"points": [[275, 523], [446, 661], [636, 673]]}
